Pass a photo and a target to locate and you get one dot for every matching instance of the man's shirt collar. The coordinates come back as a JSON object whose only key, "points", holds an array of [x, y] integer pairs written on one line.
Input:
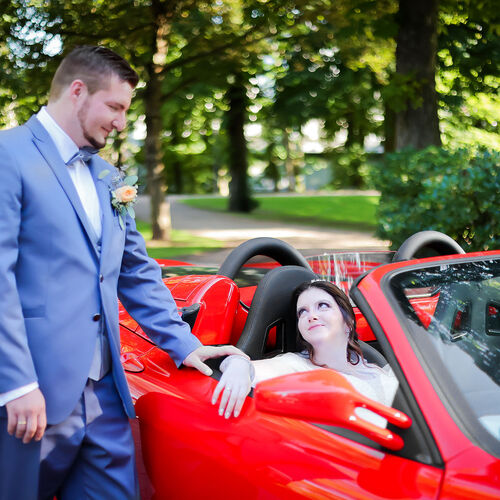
{"points": [[64, 144]]}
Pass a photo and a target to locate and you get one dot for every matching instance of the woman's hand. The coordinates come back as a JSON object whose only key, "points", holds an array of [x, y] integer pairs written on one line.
{"points": [[235, 384]]}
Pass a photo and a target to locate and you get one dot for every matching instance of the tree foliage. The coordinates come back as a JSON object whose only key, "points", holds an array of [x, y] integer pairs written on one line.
{"points": [[455, 192], [210, 70]]}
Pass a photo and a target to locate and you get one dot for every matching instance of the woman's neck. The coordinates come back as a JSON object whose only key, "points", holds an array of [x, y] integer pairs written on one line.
{"points": [[332, 356]]}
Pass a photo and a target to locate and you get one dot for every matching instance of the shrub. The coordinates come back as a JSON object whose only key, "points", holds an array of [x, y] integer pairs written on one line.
{"points": [[455, 192]]}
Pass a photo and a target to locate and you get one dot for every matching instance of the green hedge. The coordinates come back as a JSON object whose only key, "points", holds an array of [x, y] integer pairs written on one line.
{"points": [[455, 192]]}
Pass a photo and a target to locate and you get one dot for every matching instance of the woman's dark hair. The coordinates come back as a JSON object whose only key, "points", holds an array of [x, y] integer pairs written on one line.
{"points": [[354, 354], [94, 65]]}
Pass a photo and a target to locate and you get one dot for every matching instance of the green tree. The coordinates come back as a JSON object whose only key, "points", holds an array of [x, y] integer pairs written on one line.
{"points": [[163, 39], [469, 74], [417, 124], [335, 61], [457, 43], [333, 70]]}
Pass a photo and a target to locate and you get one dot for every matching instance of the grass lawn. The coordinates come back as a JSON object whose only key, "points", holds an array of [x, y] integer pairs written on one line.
{"points": [[182, 243], [356, 212]]}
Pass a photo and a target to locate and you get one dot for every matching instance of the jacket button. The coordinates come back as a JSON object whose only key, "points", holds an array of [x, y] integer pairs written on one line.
{"points": [[101, 278], [96, 317]]}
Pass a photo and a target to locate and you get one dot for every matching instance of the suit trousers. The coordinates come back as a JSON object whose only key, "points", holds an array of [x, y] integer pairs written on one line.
{"points": [[90, 455], [19, 464]]}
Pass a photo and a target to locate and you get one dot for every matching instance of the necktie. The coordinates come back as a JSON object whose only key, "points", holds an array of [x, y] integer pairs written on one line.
{"points": [[84, 154]]}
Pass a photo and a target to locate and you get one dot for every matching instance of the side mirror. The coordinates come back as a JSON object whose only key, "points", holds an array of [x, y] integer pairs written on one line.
{"points": [[324, 396]]}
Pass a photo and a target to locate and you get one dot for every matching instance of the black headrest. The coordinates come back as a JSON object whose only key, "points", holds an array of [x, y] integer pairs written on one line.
{"points": [[427, 241], [279, 250], [271, 306]]}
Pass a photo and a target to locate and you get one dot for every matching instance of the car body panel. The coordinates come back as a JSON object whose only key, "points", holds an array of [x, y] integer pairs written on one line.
{"points": [[472, 475]]}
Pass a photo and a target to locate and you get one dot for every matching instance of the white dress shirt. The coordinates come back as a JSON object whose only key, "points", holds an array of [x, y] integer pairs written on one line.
{"points": [[85, 187]]}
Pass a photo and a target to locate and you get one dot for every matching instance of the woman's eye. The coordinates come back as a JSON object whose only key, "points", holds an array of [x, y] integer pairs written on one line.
{"points": [[300, 312], [324, 305]]}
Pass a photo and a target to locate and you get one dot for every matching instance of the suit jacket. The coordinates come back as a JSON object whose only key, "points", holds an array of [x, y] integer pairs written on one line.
{"points": [[54, 279]]}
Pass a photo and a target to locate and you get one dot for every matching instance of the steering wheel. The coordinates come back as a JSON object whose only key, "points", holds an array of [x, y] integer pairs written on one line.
{"points": [[440, 243], [276, 249]]}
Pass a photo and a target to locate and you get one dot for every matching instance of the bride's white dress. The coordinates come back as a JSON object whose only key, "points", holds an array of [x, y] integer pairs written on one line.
{"points": [[379, 384]]}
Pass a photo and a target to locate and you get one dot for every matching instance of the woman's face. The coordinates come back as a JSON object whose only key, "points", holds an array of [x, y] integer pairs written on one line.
{"points": [[319, 317]]}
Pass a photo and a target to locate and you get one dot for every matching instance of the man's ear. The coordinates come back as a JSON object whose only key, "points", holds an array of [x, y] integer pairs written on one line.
{"points": [[77, 90]]}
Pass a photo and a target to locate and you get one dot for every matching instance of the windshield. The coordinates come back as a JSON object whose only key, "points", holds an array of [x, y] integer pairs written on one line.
{"points": [[453, 316], [342, 268]]}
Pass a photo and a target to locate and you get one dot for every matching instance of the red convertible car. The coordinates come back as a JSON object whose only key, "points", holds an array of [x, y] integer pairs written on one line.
{"points": [[434, 319]]}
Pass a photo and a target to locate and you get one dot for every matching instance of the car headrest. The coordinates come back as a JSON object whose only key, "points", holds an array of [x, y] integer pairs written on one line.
{"points": [[433, 242], [279, 250], [271, 307]]}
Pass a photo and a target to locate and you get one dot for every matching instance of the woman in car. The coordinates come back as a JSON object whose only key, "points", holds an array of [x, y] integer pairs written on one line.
{"points": [[327, 331]]}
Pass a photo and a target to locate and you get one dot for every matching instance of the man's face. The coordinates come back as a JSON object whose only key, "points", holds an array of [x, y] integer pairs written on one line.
{"points": [[103, 111]]}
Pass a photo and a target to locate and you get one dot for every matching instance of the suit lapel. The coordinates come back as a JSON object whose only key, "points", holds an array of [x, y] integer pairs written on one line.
{"points": [[103, 193], [44, 144]]}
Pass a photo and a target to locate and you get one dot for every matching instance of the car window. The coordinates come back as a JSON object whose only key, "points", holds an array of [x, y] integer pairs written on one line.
{"points": [[342, 268], [452, 312]]}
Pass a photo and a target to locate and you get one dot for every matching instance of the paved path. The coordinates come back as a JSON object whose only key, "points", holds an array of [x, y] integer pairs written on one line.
{"points": [[232, 230]]}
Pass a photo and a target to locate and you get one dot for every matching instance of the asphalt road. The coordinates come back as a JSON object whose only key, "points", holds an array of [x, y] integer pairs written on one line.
{"points": [[232, 230]]}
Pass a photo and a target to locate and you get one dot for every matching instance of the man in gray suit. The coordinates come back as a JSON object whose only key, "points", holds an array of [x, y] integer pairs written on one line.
{"points": [[67, 255]]}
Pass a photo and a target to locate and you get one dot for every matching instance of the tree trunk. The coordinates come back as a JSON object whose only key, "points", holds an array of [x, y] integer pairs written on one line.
{"points": [[239, 194], [176, 180], [289, 164], [354, 134], [355, 137], [160, 212], [389, 129], [213, 151], [160, 209], [272, 170], [418, 125]]}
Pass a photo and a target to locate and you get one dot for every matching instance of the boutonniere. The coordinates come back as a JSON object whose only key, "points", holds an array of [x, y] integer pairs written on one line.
{"points": [[123, 194]]}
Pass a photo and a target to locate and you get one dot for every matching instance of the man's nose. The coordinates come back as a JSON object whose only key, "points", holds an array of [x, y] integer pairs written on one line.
{"points": [[120, 122]]}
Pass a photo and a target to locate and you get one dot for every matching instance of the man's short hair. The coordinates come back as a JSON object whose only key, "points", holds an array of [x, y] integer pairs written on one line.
{"points": [[94, 65]]}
